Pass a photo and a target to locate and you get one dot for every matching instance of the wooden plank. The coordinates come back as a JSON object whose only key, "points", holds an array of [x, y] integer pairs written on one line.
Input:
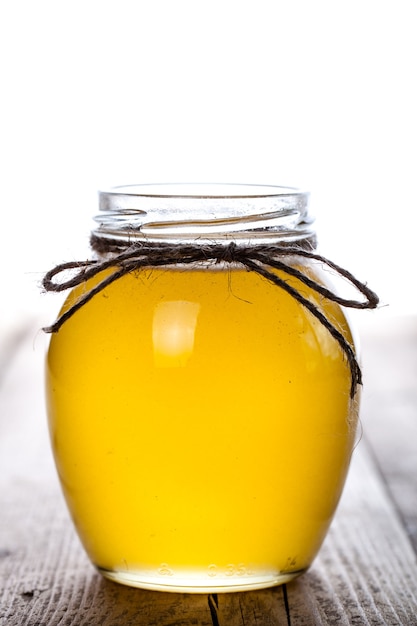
{"points": [[389, 410], [365, 574]]}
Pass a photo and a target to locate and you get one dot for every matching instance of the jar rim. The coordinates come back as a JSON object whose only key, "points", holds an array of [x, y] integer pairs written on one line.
{"points": [[188, 211], [204, 190]]}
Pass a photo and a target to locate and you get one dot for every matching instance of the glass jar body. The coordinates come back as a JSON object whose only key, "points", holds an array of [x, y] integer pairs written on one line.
{"points": [[202, 427]]}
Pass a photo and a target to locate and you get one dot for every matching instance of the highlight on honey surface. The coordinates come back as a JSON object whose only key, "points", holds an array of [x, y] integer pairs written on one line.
{"points": [[173, 332]]}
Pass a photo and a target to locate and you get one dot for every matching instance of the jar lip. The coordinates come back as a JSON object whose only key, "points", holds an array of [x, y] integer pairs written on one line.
{"points": [[204, 190], [187, 211]]}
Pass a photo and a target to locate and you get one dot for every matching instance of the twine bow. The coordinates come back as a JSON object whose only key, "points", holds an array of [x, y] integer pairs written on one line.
{"points": [[127, 257]]}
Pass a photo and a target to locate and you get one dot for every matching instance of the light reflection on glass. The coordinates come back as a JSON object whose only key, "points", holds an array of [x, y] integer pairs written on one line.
{"points": [[173, 332]]}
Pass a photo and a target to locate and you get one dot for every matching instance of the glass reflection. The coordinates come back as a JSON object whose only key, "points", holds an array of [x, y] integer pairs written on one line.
{"points": [[173, 332]]}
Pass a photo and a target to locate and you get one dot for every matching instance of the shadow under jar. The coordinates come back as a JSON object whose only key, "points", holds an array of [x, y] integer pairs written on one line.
{"points": [[201, 417]]}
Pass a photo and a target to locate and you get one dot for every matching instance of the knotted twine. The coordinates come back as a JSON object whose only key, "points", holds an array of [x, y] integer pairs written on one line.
{"points": [[127, 257]]}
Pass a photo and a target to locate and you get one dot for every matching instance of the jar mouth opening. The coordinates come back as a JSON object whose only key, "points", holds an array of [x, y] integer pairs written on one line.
{"points": [[189, 211], [203, 190]]}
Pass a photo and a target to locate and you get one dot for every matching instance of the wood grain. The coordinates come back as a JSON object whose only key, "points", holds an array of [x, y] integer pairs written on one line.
{"points": [[389, 410], [366, 572]]}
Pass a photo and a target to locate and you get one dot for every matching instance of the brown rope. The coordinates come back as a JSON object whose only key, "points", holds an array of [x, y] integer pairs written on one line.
{"points": [[260, 259]]}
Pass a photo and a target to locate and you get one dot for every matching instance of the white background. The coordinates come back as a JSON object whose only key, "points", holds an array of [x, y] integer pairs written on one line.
{"points": [[315, 93]]}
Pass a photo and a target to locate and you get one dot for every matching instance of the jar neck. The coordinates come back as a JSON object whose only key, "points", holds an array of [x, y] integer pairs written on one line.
{"points": [[207, 213]]}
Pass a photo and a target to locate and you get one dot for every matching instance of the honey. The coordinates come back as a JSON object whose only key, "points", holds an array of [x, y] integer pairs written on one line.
{"points": [[202, 426]]}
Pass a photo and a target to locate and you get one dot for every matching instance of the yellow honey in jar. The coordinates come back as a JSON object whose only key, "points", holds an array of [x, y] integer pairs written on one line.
{"points": [[202, 427], [202, 387]]}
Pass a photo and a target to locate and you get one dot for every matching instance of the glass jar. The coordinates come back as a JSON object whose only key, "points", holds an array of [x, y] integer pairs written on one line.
{"points": [[202, 417]]}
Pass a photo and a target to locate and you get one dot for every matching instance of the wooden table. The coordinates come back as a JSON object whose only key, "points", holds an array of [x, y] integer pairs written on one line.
{"points": [[366, 572]]}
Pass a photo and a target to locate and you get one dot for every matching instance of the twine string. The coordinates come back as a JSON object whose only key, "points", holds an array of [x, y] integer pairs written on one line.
{"points": [[262, 260]]}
